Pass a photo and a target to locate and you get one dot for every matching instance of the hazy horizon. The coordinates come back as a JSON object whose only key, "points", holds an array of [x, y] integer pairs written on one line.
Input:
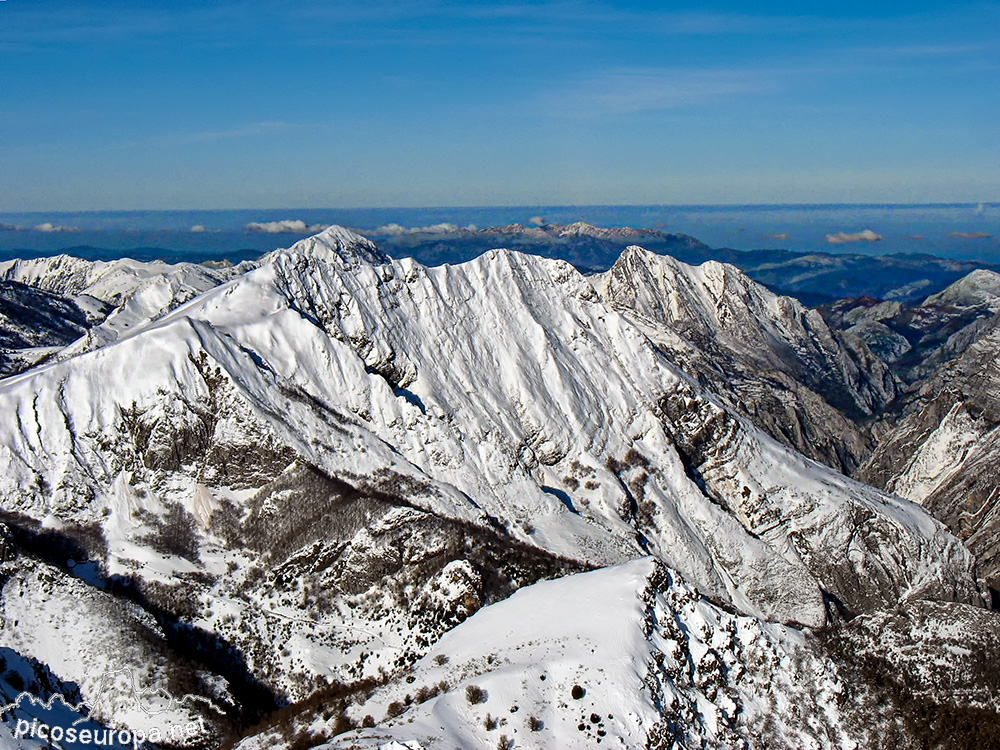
{"points": [[968, 231]]}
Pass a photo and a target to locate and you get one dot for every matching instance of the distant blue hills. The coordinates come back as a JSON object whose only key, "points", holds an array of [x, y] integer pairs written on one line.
{"points": [[814, 278]]}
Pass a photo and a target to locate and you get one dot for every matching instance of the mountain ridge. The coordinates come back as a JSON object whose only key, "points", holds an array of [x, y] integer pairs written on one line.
{"points": [[320, 461]]}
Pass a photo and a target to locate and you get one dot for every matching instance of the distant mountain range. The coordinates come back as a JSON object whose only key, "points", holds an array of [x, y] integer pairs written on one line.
{"points": [[812, 278]]}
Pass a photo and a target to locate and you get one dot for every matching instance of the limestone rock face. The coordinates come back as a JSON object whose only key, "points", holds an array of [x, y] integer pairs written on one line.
{"points": [[763, 355], [944, 452]]}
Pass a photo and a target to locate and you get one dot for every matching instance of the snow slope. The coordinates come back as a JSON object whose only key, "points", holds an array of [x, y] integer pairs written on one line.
{"points": [[622, 657], [117, 295], [632, 656]]}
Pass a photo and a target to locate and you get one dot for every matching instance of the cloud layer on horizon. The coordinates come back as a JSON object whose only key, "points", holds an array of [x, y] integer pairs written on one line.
{"points": [[397, 230], [969, 235], [285, 226], [841, 238], [48, 226]]}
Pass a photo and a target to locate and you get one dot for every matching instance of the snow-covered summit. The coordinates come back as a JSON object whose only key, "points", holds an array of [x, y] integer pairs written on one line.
{"points": [[779, 362], [716, 304], [335, 244], [583, 229], [981, 287]]}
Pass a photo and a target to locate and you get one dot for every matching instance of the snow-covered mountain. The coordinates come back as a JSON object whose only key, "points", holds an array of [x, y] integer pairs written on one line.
{"points": [[34, 324], [583, 229], [300, 479], [765, 356], [112, 282], [981, 287], [100, 299], [915, 340], [632, 656]]}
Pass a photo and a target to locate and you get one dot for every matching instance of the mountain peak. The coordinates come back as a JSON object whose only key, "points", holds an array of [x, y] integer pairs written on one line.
{"points": [[636, 250], [637, 254], [577, 228], [583, 229], [977, 288], [709, 273], [341, 245]]}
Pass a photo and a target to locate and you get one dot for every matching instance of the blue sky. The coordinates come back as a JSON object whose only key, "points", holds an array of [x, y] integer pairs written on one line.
{"points": [[141, 105]]}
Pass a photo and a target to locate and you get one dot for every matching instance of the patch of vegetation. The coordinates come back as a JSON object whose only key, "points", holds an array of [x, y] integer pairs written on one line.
{"points": [[476, 695], [175, 534], [329, 701], [910, 721]]}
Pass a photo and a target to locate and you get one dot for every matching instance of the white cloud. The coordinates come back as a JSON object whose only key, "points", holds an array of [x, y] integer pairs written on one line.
{"points": [[286, 226], [443, 228], [841, 238], [389, 230], [50, 227], [197, 228], [538, 221], [396, 230], [969, 235]]}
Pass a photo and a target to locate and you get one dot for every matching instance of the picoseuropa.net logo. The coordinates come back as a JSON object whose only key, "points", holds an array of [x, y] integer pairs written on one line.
{"points": [[160, 717], [176, 734]]}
